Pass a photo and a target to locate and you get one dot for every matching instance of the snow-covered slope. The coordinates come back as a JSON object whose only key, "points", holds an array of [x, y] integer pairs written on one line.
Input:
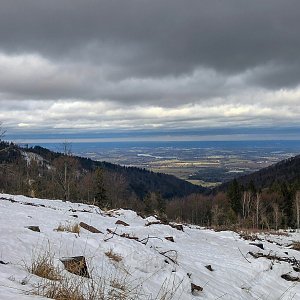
{"points": [[150, 261]]}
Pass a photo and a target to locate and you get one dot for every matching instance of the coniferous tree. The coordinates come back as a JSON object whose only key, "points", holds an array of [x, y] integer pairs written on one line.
{"points": [[100, 191], [148, 204], [235, 195], [287, 205], [161, 204]]}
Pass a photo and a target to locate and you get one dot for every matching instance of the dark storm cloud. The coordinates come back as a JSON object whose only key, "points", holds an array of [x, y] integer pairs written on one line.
{"points": [[144, 64], [157, 38]]}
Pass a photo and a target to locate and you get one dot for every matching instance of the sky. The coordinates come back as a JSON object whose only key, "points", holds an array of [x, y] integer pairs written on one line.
{"points": [[94, 68]]}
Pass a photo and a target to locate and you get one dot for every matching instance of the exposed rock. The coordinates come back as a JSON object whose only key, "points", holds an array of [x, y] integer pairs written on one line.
{"points": [[128, 236], [119, 222], [249, 237], [154, 223], [76, 265], [34, 228], [89, 228], [259, 245], [3, 263], [177, 226], [196, 289], [288, 277], [209, 267], [74, 216], [169, 238]]}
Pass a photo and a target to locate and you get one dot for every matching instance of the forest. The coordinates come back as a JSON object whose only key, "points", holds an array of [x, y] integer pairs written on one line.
{"points": [[267, 199]]}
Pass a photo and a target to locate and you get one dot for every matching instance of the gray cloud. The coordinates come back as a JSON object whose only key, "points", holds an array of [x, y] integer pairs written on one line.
{"points": [[156, 38], [170, 63]]}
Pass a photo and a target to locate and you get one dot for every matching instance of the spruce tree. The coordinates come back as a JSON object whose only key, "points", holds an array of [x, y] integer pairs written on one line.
{"points": [[161, 204], [100, 191], [235, 195], [148, 204]]}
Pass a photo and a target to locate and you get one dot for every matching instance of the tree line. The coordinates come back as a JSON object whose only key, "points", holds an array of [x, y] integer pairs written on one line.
{"points": [[45, 174], [244, 207]]}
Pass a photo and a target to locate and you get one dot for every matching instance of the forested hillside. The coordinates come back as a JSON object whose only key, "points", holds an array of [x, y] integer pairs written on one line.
{"points": [[269, 198], [286, 171], [40, 172]]}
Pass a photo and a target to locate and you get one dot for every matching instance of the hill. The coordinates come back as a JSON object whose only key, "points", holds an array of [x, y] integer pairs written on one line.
{"points": [[125, 256], [286, 171], [135, 181]]}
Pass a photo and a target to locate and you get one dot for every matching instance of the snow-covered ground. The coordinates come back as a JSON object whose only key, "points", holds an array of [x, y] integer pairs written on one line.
{"points": [[153, 262]]}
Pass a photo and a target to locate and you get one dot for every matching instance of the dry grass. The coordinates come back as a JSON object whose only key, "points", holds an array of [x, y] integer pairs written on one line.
{"points": [[79, 288], [58, 284], [74, 228], [169, 289], [262, 231], [113, 256], [62, 290], [42, 265], [296, 246]]}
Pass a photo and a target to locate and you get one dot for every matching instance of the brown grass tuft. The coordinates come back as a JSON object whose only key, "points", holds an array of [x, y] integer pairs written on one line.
{"points": [[296, 246], [42, 265], [74, 228], [62, 290], [113, 256]]}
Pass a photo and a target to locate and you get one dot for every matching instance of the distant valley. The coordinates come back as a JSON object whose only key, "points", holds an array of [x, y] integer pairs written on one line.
{"points": [[203, 163]]}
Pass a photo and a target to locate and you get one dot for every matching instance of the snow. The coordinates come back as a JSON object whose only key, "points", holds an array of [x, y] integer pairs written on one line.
{"points": [[236, 274], [30, 156]]}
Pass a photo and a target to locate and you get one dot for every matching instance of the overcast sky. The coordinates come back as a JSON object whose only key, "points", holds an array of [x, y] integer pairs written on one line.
{"points": [[90, 66]]}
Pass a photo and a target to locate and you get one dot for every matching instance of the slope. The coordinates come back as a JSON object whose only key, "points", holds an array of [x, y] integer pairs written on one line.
{"points": [[148, 265], [287, 171]]}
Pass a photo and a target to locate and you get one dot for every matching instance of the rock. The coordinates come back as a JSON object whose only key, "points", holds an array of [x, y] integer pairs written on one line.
{"points": [[76, 265], [259, 245], [289, 277], [169, 238], [3, 263], [74, 216], [89, 227], [209, 267], [128, 236], [177, 226], [119, 222], [34, 228], [196, 289]]}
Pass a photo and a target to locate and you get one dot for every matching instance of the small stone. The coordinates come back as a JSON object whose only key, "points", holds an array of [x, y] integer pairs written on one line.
{"points": [[209, 267], [119, 222], [259, 245], [195, 289], [169, 238], [177, 226], [34, 228]]}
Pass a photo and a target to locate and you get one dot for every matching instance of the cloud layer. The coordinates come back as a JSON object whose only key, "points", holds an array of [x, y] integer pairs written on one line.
{"points": [[137, 64]]}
